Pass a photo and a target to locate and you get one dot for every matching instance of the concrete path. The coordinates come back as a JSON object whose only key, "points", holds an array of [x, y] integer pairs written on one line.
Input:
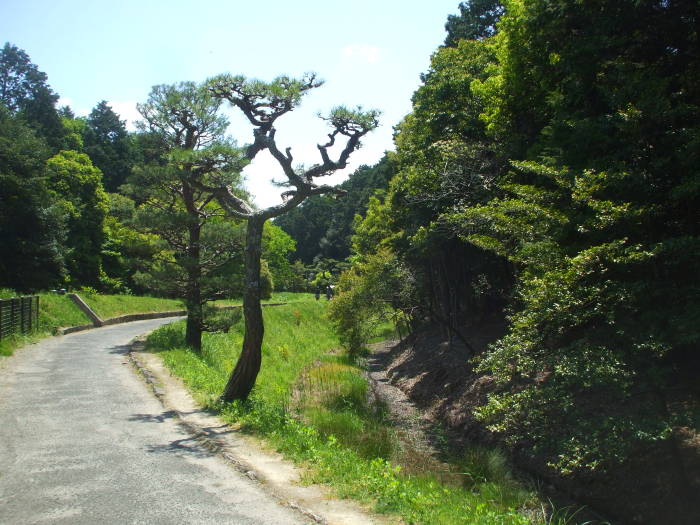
{"points": [[83, 441]]}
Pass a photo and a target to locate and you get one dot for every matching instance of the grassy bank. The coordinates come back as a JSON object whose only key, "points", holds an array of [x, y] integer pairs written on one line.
{"points": [[55, 311], [107, 306], [312, 405], [58, 311]]}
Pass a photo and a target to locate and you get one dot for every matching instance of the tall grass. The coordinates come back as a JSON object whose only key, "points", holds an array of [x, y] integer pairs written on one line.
{"points": [[314, 406]]}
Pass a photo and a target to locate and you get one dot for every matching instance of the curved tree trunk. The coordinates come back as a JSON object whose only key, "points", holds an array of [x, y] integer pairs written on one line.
{"points": [[246, 371]]}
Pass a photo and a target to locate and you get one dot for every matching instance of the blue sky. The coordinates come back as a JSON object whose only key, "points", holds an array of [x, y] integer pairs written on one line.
{"points": [[370, 53]]}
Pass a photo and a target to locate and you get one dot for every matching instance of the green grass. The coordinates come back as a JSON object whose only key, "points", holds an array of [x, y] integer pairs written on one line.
{"points": [[292, 297], [55, 311], [58, 311], [312, 405], [107, 306], [277, 297]]}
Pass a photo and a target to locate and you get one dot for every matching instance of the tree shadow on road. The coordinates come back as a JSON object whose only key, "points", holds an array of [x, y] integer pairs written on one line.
{"points": [[154, 418], [119, 349], [190, 446]]}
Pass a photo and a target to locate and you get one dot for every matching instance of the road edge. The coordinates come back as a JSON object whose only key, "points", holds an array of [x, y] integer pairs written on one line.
{"points": [[278, 475]]}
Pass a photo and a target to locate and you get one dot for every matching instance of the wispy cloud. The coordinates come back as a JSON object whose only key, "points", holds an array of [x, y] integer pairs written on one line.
{"points": [[365, 52]]}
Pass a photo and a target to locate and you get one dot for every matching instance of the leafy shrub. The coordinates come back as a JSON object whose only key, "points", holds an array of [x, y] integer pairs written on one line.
{"points": [[267, 284], [221, 319], [365, 299]]}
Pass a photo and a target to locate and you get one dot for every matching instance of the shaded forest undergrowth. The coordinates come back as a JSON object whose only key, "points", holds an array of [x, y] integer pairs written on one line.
{"points": [[440, 377], [315, 406]]}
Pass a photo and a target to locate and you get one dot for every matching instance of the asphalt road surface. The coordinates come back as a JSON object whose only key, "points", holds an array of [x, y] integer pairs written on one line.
{"points": [[83, 441]]}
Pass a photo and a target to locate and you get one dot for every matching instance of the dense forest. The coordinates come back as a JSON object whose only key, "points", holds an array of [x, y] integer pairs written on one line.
{"points": [[541, 213], [546, 196]]}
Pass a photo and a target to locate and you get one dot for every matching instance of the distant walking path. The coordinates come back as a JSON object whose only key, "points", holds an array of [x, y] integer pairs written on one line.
{"points": [[83, 441]]}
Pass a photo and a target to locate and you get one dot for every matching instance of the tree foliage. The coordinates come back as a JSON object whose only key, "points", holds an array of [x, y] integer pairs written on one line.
{"points": [[31, 220], [477, 19], [367, 295], [262, 103], [322, 225], [555, 159], [77, 185], [108, 144], [189, 149], [24, 91]]}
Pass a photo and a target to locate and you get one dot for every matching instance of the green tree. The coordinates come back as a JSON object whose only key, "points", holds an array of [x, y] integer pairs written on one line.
{"points": [[25, 92], [367, 295], [307, 224], [444, 160], [262, 104], [108, 144], [188, 149], [598, 107], [276, 247], [477, 19], [322, 225], [32, 229], [127, 252], [77, 185]]}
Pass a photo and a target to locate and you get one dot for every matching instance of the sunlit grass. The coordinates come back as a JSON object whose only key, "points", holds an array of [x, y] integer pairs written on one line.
{"points": [[55, 311], [314, 406], [58, 311], [277, 297], [108, 306]]}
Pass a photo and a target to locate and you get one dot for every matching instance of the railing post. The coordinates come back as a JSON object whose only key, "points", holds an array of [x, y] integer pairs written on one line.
{"points": [[13, 315], [2, 307], [19, 315], [27, 314]]}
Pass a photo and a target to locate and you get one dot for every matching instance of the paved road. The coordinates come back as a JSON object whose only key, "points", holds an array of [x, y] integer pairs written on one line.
{"points": [[82, 441]]}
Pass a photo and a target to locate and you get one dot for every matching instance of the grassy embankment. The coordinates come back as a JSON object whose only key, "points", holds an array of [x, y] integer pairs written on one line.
{"points": [[58, 311], [311, 404], [55, 311], [108, 306]]}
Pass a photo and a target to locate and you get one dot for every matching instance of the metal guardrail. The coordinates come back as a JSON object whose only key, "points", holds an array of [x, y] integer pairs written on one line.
{"points": [[18, 315]]}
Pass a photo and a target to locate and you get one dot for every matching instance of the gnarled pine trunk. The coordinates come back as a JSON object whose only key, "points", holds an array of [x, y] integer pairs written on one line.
{"points": [[243, 377]]}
